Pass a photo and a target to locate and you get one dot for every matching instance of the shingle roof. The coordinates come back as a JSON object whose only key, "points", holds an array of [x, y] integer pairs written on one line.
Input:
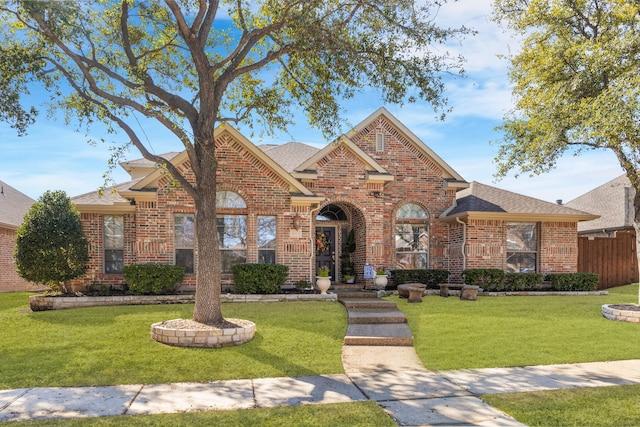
{"points": [[13, 206], [484, 198], [108, 196], [142, 162], [613, 201], [289, 155]]}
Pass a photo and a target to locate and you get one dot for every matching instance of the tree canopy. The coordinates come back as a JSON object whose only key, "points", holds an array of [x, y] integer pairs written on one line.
{"points": [[192, 65], [576, 84]]}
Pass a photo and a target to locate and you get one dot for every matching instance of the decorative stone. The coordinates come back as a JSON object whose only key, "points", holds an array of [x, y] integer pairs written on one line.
{"points": [[403, 290], [469, 293], [415, 294]]}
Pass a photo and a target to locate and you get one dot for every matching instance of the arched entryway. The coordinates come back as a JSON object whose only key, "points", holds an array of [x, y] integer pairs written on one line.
{"points": [[340, 240]]}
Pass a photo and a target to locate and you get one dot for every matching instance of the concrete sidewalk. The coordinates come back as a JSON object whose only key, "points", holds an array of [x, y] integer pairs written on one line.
{"points": [[412, 395]]}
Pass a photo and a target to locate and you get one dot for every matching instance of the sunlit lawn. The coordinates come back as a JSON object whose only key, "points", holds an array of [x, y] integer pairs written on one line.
{"points": [[519, 331], [113, 345]]}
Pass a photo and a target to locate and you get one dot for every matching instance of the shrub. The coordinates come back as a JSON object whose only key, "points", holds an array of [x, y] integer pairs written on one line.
{"points": [[573, 281], [486, 278], [431, 278], [153, 279], [50, 246], [259, 278], [521, 281]]}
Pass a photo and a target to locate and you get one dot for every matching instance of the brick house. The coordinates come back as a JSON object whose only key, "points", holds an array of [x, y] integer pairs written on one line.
{"points": [[13, 206], [377, 195]]}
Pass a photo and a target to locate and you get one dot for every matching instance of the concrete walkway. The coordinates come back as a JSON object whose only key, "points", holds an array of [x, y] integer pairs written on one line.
{"points": [[391, 375]]}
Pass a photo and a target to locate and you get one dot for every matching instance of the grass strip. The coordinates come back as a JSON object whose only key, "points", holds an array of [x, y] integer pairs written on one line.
{"points": [[586, 407]]}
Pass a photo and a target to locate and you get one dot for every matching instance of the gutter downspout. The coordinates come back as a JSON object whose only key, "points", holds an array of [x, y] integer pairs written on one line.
{"points": [[464, 243]]}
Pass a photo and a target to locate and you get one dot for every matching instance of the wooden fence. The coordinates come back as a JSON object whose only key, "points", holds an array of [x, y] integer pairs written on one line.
{"points": [[613, 258]]}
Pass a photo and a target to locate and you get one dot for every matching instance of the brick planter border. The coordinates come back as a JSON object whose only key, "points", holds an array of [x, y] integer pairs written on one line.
{"points": [[203, 336], [611, 312], [43, 302]]}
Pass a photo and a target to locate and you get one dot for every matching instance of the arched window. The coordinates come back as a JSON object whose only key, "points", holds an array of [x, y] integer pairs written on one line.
{"points": [[232, 230], [230, 200], [412, 237], [331, 213]]}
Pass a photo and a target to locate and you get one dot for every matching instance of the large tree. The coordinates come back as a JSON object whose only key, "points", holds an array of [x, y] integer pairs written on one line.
{"points": [[192, 65], [576, 82]]}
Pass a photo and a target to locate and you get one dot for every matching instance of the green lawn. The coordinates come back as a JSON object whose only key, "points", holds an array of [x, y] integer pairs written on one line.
{"points": [[113, 345], [587, 407], [519, 331], [363, 414]]}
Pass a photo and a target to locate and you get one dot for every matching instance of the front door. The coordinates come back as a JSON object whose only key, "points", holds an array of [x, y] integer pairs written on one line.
{"points": [[326, 249]]}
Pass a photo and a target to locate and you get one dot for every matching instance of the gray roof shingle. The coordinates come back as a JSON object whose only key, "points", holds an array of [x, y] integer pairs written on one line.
{"points": [[289, 155], [484, 198], [13, 205], [613, 201]]}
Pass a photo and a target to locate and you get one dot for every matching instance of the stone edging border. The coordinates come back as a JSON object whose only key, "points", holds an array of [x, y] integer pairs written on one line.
{"points": [[43, 303], [619, 314]]}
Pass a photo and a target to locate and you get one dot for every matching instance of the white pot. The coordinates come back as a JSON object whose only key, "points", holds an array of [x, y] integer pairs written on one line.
{"points": [[323, 283], [381, 281]]}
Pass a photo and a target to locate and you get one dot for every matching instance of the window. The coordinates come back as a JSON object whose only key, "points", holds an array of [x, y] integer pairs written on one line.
{"points": [[522, 247], [113, 244], [412, 237], [183, 238], [229, 200], [266, 239], [232, 232], [380, 142]]}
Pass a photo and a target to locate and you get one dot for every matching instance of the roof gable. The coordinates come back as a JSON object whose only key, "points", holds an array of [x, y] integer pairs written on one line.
{"points": [[415, 144], [13, 206], [151, 180], [484, 201]]}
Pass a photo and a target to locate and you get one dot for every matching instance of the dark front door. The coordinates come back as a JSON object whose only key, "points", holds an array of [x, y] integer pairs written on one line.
{"points": [[326, 249]]}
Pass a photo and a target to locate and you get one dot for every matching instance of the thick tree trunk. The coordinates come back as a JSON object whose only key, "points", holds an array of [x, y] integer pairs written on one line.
{"points": [[207, 300]]}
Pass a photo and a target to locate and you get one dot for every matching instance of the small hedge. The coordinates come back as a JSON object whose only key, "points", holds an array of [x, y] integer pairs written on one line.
{"points": [[153, 279], [431, 278], [573, 281], [521, 282], [486, 278], [259, 278]]}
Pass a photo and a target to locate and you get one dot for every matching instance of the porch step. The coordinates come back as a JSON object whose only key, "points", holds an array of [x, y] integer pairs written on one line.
{"points": [[375, 316], [354, 293], [377, 303], [393, 334]]}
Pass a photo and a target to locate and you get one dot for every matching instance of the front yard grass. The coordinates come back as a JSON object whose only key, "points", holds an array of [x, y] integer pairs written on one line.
{"points": [[598, 407], [113, 345], [520, 331], [342, 414]]}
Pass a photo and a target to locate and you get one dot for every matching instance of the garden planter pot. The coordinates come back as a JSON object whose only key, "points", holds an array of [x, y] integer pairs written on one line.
{"points": [[380, 282], [323, 283]]}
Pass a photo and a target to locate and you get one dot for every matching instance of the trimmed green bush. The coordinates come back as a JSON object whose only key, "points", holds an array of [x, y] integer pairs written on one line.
{"points": [[486, 278], [259, 278], [522, 281], [573, 281], [431, 278], [153, 279]]}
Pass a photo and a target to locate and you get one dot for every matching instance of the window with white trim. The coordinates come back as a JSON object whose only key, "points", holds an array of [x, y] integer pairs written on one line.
{"points": [[412, 237], [267, 239], [184, 241], [113, 228], [232, 230], [522, 247]]}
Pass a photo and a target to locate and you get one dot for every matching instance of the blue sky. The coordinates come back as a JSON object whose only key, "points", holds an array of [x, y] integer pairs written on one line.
{"points": [[55, 157]]}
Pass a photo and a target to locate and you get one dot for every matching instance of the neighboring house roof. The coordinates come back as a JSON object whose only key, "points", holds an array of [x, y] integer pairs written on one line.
{"points": [[13, 206], [613, 201], [289, 155], [482, 201]]}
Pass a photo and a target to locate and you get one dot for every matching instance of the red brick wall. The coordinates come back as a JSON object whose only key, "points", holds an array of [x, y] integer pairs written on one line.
{"points": [[486, 247], [9, 279]]}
